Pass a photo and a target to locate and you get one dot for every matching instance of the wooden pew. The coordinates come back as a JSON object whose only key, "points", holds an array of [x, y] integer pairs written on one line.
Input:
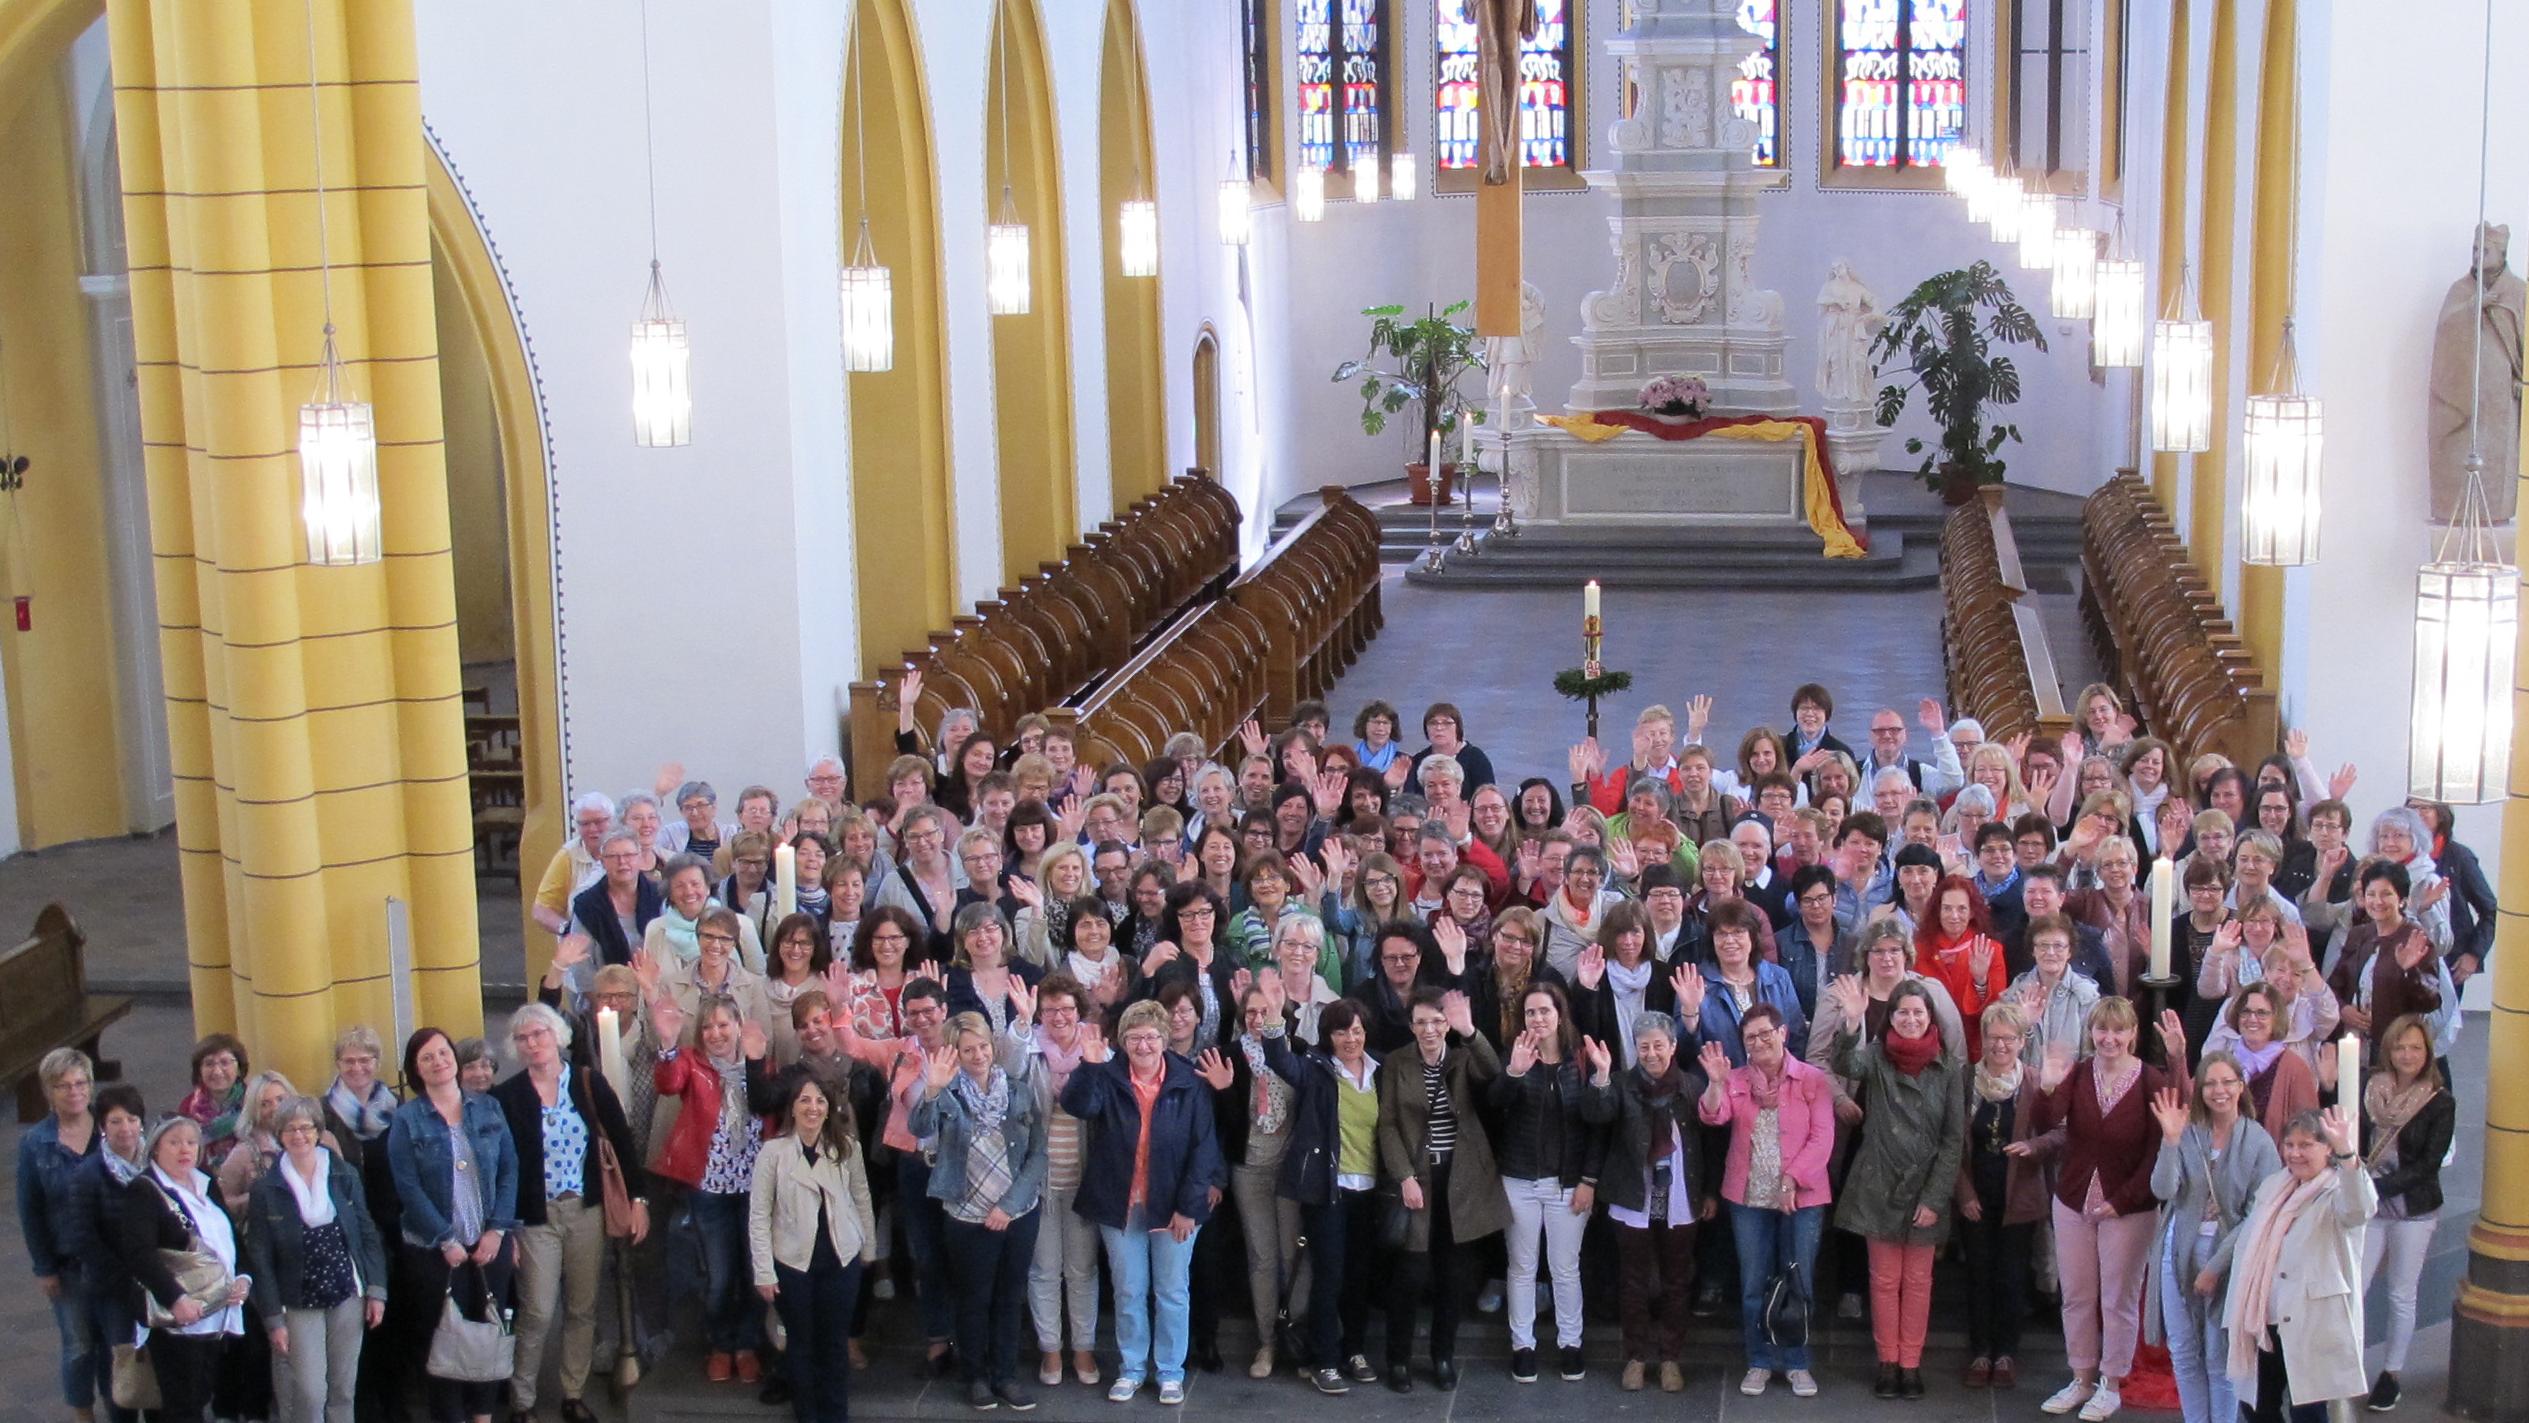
{"points": [[2162, 632], [1203, 673], [2001, 670], [1316, 591], [45, 1004]]}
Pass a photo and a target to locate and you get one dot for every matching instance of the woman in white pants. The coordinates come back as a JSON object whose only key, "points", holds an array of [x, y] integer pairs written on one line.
{"points": [[1062, 1279], [1553, 1096], [2407, 1119]]}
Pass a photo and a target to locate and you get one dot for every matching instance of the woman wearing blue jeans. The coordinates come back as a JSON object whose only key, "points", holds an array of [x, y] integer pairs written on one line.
{"points": [[1781, 1115], [1150, 1177], [989, 1180], [723, 1085], [2212, 1156]]}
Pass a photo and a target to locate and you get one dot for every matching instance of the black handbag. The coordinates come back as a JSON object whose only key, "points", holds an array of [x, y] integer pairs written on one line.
{"points": [[1787, 1310], [1395, 1222]]}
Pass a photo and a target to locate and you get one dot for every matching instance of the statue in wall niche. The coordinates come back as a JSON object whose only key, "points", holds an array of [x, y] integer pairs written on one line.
{"points": [[2497, 310], [1501, 26], [1849, 320], [1513, 359]]}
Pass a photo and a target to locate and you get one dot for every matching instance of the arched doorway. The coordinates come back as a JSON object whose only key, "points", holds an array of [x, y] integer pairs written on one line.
{"points": [[1207, 402], [1136, 396], [1031, 352], [903, 564]]}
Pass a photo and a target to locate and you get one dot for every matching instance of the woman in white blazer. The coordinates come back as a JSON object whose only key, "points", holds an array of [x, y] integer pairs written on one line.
{"points": [[2294, 1311], [813, 1173]]}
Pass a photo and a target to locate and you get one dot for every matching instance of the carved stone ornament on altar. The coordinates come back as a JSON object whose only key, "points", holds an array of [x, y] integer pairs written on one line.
{"points": [[2498, 310]]}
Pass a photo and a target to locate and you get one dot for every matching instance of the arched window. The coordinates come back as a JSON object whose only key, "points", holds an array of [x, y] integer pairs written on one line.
{"points": [[1755, 95], [1899, 100], [1549, 95], [2043, 91], [1257, 20], [1343, 69]]}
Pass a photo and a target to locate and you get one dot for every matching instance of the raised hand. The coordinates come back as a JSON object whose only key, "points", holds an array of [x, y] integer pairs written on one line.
{"points": [[1312, 880], [667, 1021], [2056, 1066], [1623, 858], [2226, 937], [1531, 861], [647, 968], [2071, 742], [1022, 1004], [909, 691], [1275, 992], [1576, 761], [1160, 956], [2432, 894], [1601, 1061], [1688, 981], [1189, 869], [2018, 746], [1084, 782], [1461, 1013], [2041, 785], [1240, 982], [1251, 735], [2296, 744], [1850, 999], [1214, 1069], [671, 775], [571, 951], [838, 982], [1452, 940], [1024, 890], [1398, 772], [1326, 792], [1591, 968], [1715, 1061], [2173, 1035], [2168, 1109], [1303, 765], [2340, 784], [1698, 716], [2339, 1130], [1980, 957], [752, 1044], [1093, 1040], [1074, 816], [939, 1068], [1928, 715], [1523, 1053], [1337, 859]]}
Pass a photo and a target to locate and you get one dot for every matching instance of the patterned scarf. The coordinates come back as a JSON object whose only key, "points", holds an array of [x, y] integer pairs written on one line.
{"points": [[366, 1116], [732, 1073], [988, 1169], [2389, 1107], [1991, 1087]]}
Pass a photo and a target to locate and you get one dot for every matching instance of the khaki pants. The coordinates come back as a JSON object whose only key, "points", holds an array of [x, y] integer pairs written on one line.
{"points": [[314, 1381], [559, 1260]]}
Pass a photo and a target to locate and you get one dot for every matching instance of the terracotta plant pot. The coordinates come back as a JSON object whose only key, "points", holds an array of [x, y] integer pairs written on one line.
{"points": [[1418, 477], [1957, 485]]}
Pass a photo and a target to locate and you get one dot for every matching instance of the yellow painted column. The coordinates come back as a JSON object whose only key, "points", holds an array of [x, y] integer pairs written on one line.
{"points": [[1031, 353], [2174, 157], [2209, 487], [313, 713], [1136, 391], [2270, 288]]}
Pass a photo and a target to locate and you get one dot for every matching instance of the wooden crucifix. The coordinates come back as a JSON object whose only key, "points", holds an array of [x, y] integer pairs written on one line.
{"points": [[1501, 26]]}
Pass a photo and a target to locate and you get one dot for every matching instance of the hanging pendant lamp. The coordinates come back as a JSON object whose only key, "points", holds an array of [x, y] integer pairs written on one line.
{"points": [[1006, 274], [868, 288], [2037, 232], [338, 436], [1137, 237], [1308, 194], [2075, 294], [662, 391], [1404, 177], [2182, 376], [2005, 202], [1365, 180], [1237, 213]]}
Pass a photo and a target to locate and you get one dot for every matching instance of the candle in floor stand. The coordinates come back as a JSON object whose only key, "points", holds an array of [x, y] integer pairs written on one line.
{"points": [[610, 1059], [1432, 463], [2164, 888], [2349, 1085], [785, 881], [1589, 599]]}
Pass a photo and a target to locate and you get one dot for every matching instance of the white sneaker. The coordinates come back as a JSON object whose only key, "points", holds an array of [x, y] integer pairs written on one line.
{"points": [[2102, 1405], [1489, 1299], [2067, 1398], [1123, 1389], [1754, 1383], [1802, 1385]]}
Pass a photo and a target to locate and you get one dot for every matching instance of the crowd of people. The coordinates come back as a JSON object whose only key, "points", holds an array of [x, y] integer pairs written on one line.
{"points": [[1338, 1032]]}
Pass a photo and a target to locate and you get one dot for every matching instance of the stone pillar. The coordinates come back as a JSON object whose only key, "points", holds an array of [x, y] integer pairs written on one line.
{"points": [[313, 713]]}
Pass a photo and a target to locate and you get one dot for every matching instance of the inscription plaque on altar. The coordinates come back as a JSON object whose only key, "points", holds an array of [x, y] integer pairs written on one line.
{"points": [[1708, 482]]}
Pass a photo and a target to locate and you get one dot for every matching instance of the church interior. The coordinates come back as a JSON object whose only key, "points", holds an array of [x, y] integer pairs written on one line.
{"points": [[419, 415]]}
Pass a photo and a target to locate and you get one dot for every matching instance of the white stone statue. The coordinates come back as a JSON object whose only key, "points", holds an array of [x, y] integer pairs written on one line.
{"points": [[1849, 320], [2496, 393], [1513, 359]]}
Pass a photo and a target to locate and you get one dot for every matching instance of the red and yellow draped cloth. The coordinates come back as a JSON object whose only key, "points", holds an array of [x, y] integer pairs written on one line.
{"points": [[1819, 499]]}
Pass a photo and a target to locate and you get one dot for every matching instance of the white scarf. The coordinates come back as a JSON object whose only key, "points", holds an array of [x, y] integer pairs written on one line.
{"points": [[316, 1202], [1630, 985]]}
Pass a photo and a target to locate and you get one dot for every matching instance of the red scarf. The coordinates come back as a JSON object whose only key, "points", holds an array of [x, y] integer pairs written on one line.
{"points": [[1911, 1055]]}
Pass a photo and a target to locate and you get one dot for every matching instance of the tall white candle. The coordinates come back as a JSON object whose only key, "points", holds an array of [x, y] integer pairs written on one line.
{"points": [[610, 1059], [1589, 599], [2349, 1085], [2164, 889], [785, 881], [1431, 461]]}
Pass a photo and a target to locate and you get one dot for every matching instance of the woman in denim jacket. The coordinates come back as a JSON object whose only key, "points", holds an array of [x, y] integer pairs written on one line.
{"points": [[456, 1176], [989, 1178]]}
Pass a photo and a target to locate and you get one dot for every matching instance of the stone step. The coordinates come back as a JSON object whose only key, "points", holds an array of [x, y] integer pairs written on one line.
{"points": [[1893, 563]]}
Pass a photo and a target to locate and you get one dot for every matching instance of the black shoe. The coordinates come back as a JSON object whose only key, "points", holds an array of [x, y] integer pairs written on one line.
{"points": [[1361, 1369], [2384, 1394], [1909, 1384], [574, 1411], [1400, 1379], [939, 1365], [1015, 1398], [1707, 1303], [1885, 1386], [1574, 1367], [774, 1393], [1207, 1356], [1444, 1375], [522, 1415], [979, 1394], [1523, 1366], [1330, 1381]]}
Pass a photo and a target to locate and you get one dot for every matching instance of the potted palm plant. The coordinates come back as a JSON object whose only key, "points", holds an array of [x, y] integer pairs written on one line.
{"points": [[1417, 362], [1944, 333]]}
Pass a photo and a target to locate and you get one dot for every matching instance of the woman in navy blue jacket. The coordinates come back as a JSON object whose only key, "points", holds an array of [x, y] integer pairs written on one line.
{"points": [[1149, 1177]]}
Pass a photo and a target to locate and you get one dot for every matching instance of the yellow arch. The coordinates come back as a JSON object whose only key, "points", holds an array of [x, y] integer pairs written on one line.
{"points": [[904, 564], [1136, 391], [2173, 208], [2209, 492], [2270, 284], [1031, 354]]}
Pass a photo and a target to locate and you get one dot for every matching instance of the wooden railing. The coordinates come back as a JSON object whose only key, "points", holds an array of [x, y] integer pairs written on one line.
{"points": [[2001, 670], [1063, 629], [1317, 593], [2161, 633]]}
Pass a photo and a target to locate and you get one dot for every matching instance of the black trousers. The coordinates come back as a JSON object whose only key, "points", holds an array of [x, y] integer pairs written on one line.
{"points": [[988, 1271], [478, 1292], [1439, 1271], [1343, 1251], [188, 1368], [1997, 1280], [2274, 1385]]}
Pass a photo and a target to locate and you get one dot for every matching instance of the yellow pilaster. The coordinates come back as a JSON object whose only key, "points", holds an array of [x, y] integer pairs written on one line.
{"points": [[2174, 159], [2208, 492], [2270, 287], [313, 713]]}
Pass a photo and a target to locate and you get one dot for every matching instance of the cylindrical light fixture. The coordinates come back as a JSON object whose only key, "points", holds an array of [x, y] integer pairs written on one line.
{"points": [[1404, 177], [1365, 181], [2075, 295], [2037, 232], [338, 474], [2279, 524], [1006, 285], [2116, 325], [2181, 387], [1308, 194], [662, 399], [1237, 218], [2007, 202], [869, 310], [2467, 620], [1960, 169], [1137, 237]]}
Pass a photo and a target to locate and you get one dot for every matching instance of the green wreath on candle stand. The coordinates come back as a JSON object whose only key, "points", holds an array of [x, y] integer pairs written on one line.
{"points": [[1576, 683]]}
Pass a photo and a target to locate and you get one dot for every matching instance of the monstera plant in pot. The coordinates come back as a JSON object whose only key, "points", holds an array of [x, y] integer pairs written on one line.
{"points": [[1944, 335], [1417, 362]]}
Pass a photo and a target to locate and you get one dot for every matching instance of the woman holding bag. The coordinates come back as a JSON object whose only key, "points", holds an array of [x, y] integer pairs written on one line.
{"points": [[170, 1232], [456, 1174], [319, 1268]]}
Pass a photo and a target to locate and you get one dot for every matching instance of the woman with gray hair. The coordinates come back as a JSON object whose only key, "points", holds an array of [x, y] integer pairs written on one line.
{"points": [[558, 1116], [50, 1153], [639, 813], [319, 1268], [258, 1139], [169, 1206], [1651, 1178], [925, 882], [2400, 836], [574, 867]]}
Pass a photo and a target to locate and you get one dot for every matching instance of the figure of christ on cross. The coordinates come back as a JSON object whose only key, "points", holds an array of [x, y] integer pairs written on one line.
{"points": [[1501, 26]]}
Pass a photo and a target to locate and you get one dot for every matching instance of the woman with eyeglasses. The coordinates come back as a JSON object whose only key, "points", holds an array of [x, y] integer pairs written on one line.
{"points": [[1574, 914], [1377, 897], [2212, 1155], [925, 881], [1433, 1144], [1192, 950], [2001, 1198], [715, 972], [1781, 1116]]}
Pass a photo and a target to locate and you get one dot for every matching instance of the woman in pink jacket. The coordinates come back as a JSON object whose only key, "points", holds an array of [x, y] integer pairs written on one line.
{"points": [[1781, 1114]]}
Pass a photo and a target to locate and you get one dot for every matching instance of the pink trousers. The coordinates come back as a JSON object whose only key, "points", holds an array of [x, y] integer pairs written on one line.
{"points": [[2101, 1263], [1900, 1301]]}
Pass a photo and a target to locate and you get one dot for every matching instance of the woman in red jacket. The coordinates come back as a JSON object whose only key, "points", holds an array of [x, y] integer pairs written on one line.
{"points": [[723, 1090], [2104, 1207], [1954, 945]]}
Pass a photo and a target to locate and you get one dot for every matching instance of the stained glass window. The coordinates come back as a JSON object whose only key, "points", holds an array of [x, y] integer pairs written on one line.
{"points": [[1901, 82], [1343, 83], [1753, 94], [1547, 78], [1255, 21]]}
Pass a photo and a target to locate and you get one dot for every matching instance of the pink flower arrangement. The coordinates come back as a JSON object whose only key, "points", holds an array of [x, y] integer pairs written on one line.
{"points": [[1676, 395]]}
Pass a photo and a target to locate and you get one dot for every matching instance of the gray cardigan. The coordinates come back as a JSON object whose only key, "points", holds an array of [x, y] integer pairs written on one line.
{"points": [[2180, 1177]]}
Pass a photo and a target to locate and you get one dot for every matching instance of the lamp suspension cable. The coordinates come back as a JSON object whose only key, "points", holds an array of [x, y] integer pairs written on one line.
{"points": [[662, 398], [869, 320], [2284, 434], [338, 438]]}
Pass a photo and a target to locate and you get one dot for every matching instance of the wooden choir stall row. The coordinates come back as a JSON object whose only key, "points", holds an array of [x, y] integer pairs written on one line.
{"points": [[1993, 643]]}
